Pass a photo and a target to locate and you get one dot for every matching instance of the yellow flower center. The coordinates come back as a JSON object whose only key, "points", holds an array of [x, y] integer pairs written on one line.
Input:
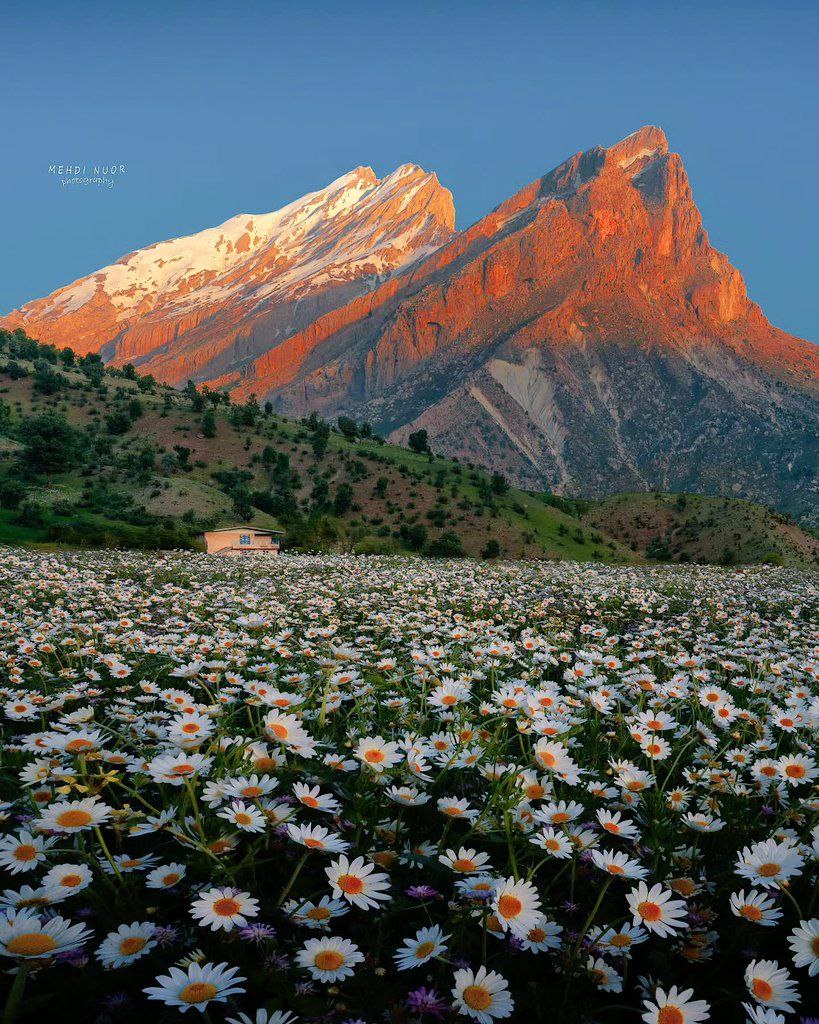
{"points": [[197, 992], [25, 852], [463, 864], [477, 997], [350, 884], [226, 907], [133, 945], [649, 911], [75, 746], [670, 1015], [424, 949], [761, 989], [329, 960], [73, 819], [509, 906], [769, 870], [31, 944]]}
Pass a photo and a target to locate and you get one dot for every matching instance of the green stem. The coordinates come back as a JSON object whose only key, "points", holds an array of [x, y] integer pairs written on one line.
{"points": [[16, 995], [292, 881], [787, 892], [195, 807], [107, 852], [591, 917], [511, 846]]}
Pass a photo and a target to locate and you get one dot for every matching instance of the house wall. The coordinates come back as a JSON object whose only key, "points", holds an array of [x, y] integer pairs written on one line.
{"points": [[228, 540]]}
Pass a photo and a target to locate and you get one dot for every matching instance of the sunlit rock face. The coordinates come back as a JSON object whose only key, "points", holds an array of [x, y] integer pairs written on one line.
{"points": [[197, 306], [583, 337]]}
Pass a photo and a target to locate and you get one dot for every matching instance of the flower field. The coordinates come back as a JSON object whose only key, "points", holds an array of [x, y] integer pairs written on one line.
{"points": [[353, 789]]}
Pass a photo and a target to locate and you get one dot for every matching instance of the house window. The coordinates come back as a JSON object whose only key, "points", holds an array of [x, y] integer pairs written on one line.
{"points": [[244, 539]]}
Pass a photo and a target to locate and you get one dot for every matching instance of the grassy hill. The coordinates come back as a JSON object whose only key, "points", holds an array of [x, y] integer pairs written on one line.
{"points": [[90, 455], [96, 456], [695, 528]]}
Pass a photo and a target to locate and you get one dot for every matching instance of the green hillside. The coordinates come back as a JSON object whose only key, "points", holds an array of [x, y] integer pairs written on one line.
{"points": [[695, 528], [96, 456]]}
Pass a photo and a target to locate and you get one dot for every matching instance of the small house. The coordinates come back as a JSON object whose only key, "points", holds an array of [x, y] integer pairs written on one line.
{"points": [[236, 541]]}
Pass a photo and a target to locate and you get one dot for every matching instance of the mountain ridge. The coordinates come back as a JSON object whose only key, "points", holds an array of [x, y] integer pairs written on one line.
{"points": [[320, 249], [584, 335]]}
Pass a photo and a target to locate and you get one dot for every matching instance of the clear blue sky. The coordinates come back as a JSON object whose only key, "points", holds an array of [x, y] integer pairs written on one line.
{"points": [[222, 108]]}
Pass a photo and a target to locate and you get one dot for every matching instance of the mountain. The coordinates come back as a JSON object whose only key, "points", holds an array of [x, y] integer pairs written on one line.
{"points": [[195, 306], [584, 337]]}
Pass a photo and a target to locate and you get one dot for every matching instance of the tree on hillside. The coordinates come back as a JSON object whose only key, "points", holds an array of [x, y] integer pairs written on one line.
{"points": [[320, 438], [347, 427], [499, 483], [492, 549], [50, 444], [241, 502], [193, 396], [118, 422], [209, 423], [343, 500], [47, 381], [414, 535], [419, 441], [448, 545], [91, 366]]}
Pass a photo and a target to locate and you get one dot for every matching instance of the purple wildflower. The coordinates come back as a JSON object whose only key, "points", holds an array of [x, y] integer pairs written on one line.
{"points": [[257, 932], [427, 1000], [422, 892], [166, 935], [277, 962]]}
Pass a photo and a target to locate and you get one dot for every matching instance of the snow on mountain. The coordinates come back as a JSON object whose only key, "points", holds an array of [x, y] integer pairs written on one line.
{"points": [[348, 236]]}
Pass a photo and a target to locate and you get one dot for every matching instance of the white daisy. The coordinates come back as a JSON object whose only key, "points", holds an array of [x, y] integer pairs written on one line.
{"points": [[329, 959], [197, 985], [224, 909]]}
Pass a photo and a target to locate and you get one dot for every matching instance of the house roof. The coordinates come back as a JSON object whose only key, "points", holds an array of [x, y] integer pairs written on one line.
{"points": [[248, 529]]}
